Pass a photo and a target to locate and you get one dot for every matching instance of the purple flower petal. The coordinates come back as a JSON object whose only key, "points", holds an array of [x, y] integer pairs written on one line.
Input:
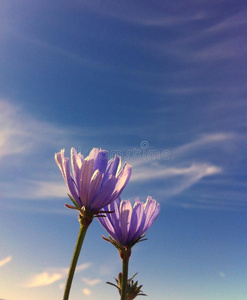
{"points": [[100, 158], [114, 217], [125, 211], [104, 194], [94, 183], [152, 210], [63, 163], [123, 178], [59, 158], [111, 222], [87, 170], [76, 163], [113, 167], [107, 224], [137, 221]]}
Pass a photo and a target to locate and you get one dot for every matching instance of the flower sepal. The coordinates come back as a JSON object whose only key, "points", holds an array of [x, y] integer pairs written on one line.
{"points": [[138, 240], [84, 214], [113, 242], [133, 290], [124, 251], [76, 206]]}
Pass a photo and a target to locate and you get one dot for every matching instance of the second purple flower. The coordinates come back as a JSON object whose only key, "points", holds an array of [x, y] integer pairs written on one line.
{"points": [[127, 224]]}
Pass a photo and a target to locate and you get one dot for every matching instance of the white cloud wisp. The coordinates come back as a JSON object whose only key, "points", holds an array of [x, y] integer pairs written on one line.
{"points": [[50, 276], [4, 261]]}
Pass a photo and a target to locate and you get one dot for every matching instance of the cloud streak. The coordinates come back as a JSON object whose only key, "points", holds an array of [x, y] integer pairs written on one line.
{"points": [[158, 172], [5, 261], [229, 23], [182, 172], [208, 140], [174, 180], [21, 134], [86, 292], [154, 15], [91, 282], [52, 275], [13, 138]]}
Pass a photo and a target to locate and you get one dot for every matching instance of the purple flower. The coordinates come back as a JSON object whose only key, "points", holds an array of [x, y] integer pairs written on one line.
{"points": [[126, 225], [95, 182]]}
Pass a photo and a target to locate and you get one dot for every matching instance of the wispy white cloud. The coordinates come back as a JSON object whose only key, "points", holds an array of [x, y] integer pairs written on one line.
{"points": [[227, 48], [6, 260], [204, 44], [214, 195], [178, 90], [45, 278], [86, 292], [82, 59], [186, 167], [222, 274], [50, 276], [196, 174], [145, 15], [229, 23], [181, 174], [91, 282], [28, 189], [82, 267], [175, 179], [25, 139], [47, 189], [108, 267], [13, 138], [155, 171], [205, 140], [21, 134]]}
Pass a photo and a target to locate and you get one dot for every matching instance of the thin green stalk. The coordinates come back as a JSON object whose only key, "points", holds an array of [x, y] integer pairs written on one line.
{"points": [[78, 245], [125, 266]]}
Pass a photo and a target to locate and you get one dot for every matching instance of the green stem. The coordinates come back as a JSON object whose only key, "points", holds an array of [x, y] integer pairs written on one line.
{"points": [[78, 245], [125, 266]]}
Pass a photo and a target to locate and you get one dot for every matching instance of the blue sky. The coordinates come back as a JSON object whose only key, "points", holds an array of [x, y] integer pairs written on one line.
{"points": [[163, 84]]}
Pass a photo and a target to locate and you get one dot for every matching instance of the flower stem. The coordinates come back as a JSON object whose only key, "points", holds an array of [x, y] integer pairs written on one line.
{"points": [[125, 266], [82, 232]]}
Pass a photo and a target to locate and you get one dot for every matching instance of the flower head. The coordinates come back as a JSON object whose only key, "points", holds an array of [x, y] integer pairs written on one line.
{"points": [[127, 225], [94, 182]]}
